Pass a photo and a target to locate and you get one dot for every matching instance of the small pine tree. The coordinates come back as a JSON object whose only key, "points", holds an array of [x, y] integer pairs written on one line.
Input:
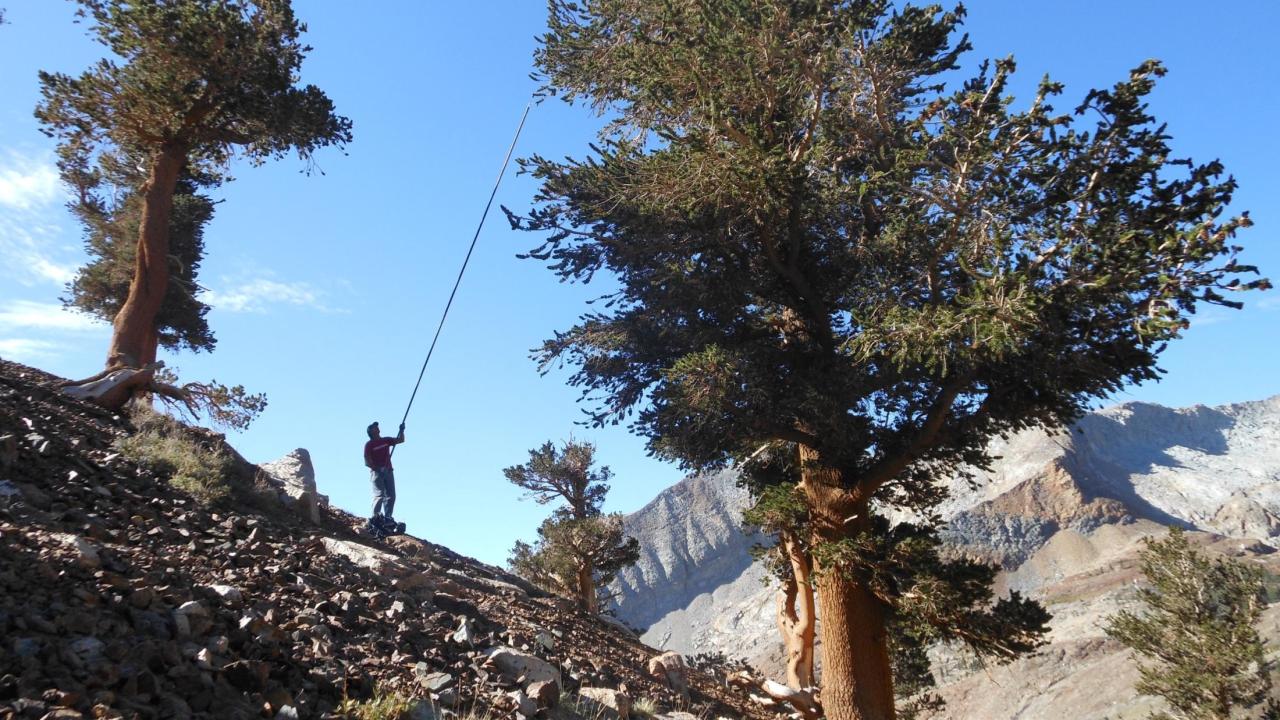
{"points": [[1200, 629], [579, 550], [575, 557]]}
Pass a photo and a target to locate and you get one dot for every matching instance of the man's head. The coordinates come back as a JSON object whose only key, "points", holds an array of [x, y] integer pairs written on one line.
{"points": [[374, 432]]}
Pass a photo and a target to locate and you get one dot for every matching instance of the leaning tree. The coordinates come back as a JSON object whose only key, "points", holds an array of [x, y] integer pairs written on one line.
{"points": [[108, 202], [191, 84], [817, 245]]}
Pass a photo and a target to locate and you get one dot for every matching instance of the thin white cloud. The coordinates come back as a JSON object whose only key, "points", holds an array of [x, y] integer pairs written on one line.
{"points": [[31, 251], [1270, 301], [33, 246], [258, 294], [27, 315], [28, 183], [28, 350]]}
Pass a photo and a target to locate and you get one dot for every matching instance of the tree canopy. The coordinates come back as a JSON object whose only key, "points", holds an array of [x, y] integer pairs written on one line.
{"points": [[217, 78], [817, 241]]}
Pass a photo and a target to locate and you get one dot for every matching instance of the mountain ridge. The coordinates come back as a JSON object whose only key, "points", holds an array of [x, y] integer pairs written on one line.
{"points": [[1064, 513]]}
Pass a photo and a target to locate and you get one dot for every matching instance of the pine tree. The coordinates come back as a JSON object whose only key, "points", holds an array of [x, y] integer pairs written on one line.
{"points": [[579, 550], [780, 511], [817, 243], [1199, 629], [198, 82]]}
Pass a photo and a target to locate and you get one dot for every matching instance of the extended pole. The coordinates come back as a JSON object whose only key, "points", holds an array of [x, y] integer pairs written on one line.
{"points": [[466, 260]]}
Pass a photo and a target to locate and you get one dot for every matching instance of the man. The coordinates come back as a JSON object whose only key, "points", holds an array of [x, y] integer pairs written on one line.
{"points": [[377, 457]]}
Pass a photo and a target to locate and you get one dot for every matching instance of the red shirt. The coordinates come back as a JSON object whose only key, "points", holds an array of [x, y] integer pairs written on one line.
{"points": [[377, 452]]}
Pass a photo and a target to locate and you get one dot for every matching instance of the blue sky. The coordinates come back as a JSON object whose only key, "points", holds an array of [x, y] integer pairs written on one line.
{"points": [[326, 288]]}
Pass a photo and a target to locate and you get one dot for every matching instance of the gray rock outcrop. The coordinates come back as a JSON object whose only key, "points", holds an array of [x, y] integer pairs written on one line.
{"points": [[295, 476]]}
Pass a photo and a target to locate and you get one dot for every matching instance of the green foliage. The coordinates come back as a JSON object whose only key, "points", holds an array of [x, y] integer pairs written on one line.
{"points": [[225, 406], [564, 474], [1199, 630], [577, 538], [778, 510], [189, 85], [212, 78], [817, 242], [936, 599], [913, 678], [200, 468], [566, 544], [930, 599], [645, 707], [109, 206]]}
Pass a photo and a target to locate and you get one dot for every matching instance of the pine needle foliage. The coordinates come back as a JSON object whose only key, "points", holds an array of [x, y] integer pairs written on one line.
{"points": [[187, 86], [817, 240], [579, 549], [1198, 632], [215, 77], [566, 544]]}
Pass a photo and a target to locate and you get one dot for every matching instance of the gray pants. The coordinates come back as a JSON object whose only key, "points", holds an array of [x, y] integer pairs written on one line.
{"points": [[384, 491]]}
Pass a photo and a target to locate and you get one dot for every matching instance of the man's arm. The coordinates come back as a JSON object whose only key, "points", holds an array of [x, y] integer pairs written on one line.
{"points": [[400, 438]]}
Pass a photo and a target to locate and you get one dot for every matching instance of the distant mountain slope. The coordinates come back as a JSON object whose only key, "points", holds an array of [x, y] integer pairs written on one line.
{"points": [[1062, 512]]}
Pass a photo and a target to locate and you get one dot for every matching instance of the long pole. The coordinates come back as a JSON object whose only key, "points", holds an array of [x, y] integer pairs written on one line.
{"points": [[466, 260]]}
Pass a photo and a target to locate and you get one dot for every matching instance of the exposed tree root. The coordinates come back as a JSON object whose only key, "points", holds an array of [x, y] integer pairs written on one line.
{"points": [[804, 702], [114, 387]]}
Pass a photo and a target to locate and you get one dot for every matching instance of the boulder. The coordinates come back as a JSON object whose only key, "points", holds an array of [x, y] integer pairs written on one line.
{"points": [[296, 477], [669, 668], [523, 667], [546, 693], [605, 703], [226, 594]]}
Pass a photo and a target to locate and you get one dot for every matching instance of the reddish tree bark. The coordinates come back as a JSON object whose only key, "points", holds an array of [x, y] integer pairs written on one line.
{"points": [[857, 677], [133, 342]]}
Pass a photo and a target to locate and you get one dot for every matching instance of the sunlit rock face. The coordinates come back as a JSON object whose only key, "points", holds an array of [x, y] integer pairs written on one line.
{"points": [[1064, 513]]}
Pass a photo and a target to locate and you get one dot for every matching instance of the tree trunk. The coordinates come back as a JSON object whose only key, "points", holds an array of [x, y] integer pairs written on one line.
{"points": [[796, 615], [857, 677], [133, 343], [587, 590]]}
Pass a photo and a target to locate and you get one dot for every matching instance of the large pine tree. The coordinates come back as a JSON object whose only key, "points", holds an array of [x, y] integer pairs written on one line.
{"points": [[818, 244], [193, 84]]}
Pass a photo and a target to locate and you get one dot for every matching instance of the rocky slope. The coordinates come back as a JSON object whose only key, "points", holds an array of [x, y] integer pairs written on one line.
{"points": [[1064, 514], [123, 597]]}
